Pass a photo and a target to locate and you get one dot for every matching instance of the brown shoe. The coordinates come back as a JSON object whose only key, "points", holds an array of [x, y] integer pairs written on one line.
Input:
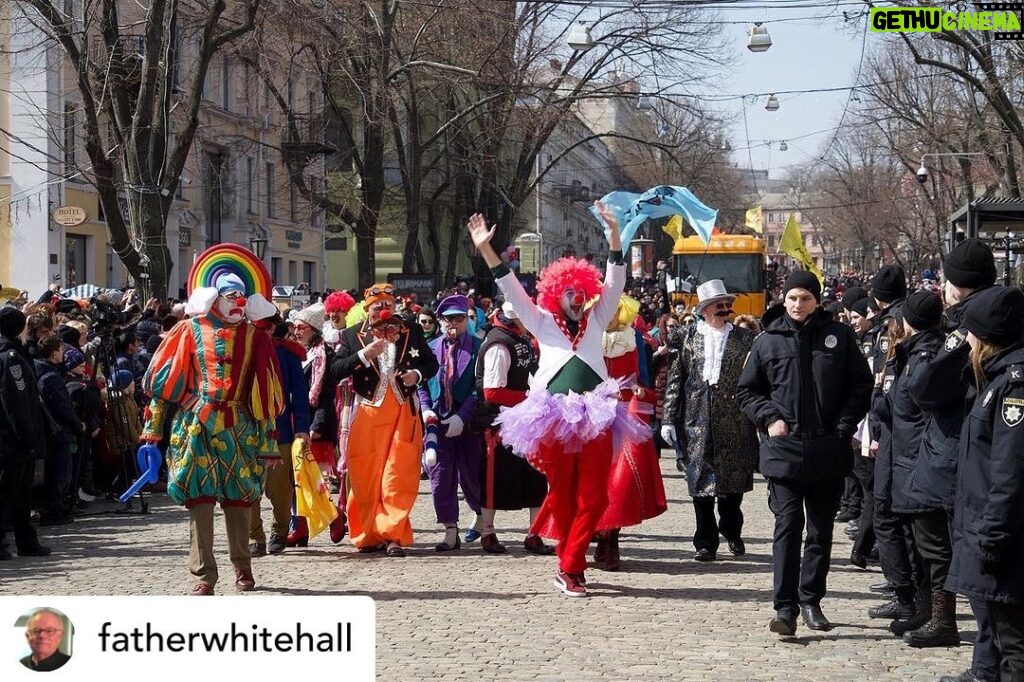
{"points": [[244, 582], [489, 543], [201, 590], [535, 545]]}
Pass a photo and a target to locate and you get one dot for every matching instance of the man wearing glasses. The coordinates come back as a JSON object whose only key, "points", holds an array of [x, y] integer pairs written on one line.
{"points": [[44, 632], [386, 358]]}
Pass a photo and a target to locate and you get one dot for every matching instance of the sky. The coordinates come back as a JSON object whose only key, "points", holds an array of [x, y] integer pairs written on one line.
{"points": [[805, 54]]}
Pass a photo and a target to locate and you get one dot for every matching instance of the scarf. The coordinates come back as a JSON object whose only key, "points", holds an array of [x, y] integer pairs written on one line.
{"points": [[714, 350], [316, 356]]}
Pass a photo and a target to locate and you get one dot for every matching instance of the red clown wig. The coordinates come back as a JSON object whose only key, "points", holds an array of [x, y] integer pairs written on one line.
{"points": [[566, 272], [339, 302]]}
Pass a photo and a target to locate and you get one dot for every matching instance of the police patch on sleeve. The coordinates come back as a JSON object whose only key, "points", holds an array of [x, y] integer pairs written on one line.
{"points": [[883, 344], [887, 384], [955, 340], [1013, 411], [19, 378]]}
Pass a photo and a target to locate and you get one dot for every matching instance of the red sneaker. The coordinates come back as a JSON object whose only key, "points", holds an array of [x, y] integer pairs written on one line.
{"points": [[338, 527], [569, 584]]}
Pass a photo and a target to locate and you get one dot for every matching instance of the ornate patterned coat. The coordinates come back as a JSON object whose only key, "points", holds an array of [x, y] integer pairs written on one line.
{"points": [[719, 442], [227, 381]]}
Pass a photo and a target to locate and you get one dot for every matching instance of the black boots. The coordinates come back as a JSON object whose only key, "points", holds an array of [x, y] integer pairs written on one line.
{"points": [[941, 630]]}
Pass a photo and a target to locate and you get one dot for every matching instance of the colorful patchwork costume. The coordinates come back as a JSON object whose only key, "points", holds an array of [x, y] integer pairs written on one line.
{"points": [[223, 374]]}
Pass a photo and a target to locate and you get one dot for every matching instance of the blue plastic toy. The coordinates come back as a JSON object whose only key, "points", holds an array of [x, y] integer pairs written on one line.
{"points": [[149, 459]]}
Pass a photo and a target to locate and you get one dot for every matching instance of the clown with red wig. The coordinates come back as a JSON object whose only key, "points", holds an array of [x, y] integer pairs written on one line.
{"points": [[572, 413]]}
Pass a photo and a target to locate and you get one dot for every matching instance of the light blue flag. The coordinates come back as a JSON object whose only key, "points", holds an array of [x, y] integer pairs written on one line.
{"points": [[663, 201]]}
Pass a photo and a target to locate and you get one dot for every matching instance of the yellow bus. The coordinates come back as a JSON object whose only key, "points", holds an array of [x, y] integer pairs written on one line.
{"points": [[737, 260]]}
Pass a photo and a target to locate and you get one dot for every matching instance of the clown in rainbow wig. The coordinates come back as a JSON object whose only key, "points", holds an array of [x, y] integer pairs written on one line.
{"points": [[572, 413], [223, 374]]}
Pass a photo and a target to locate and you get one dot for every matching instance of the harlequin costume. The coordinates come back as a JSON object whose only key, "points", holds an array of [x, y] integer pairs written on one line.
{"points": [[386, 432], [223, 373], [565, 426], [451, 396]]}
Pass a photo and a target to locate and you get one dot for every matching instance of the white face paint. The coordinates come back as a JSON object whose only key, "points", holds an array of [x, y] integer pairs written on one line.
{"points": [[572, 304], [231, 307]]}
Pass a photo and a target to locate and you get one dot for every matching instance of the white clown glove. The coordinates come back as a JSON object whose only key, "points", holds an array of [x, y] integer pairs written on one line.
{"points": [[429, 417], [668, 434], [454, 424], [429, 439]]}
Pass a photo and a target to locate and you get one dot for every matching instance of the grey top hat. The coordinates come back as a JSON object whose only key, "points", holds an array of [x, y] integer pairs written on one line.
{"points": [[710, 292]]}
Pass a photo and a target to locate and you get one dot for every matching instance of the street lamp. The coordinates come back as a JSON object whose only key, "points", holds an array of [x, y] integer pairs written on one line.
{"points": [[783, 146], [1010, 236], [772, 104], [579, 37], [759, 40], [258, 243]]}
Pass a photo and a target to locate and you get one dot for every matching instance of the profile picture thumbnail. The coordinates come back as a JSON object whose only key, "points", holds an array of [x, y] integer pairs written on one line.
{"points": [[48, 637]]}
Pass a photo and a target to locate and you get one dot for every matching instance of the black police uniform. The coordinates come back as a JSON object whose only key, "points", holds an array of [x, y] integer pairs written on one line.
{"points": [[22, 442], [945, 389], [988, 521], [814, 378]]}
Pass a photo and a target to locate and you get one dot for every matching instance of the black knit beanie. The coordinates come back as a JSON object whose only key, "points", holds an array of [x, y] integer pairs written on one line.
{"points": [[922, 310], [12, 321], [996, 315], [852, 295], [889, 284], [970, 265], [860, 306], [803, 279]]}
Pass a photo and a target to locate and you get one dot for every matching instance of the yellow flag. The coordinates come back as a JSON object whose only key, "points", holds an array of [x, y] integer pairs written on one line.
{"points": [[792, 244], [754, 221], [674, 227]]}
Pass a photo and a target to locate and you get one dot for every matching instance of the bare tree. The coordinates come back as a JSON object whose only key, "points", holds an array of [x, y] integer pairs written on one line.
{"points": [[139, 72]]}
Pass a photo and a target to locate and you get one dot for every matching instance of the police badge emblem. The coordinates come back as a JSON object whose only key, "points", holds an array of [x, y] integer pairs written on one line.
{"points": [[887, 384], [1012, 413], [831, 341], [954, 340], [883, 344]]}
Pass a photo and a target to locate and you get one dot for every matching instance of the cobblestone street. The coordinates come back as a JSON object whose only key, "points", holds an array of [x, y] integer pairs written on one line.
{"points": [[471, 616]]}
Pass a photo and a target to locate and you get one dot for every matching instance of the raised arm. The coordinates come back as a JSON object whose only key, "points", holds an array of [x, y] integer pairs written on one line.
{"points": [[506, 280]]}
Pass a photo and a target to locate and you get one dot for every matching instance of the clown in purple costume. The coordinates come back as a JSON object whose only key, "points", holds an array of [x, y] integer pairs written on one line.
{"points": [[451, 397]]}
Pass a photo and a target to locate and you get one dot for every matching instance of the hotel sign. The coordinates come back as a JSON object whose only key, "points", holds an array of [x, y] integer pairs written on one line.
{"points": [[70, 216]]}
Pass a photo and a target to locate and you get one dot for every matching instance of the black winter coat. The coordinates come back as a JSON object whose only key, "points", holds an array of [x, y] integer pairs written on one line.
{"points": [[988, 526], [22, 424], [942, 389], [54, 392], [814, 378], [905, 421]]}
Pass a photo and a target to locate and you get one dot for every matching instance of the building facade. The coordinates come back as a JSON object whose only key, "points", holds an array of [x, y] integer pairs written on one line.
{"points": [[234, 187]]}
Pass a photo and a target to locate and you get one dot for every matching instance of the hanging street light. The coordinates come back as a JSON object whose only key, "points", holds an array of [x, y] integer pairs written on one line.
{"points": [[772, 104], [783, 146], [759, 40], [579, 37], [645, 103], [258, 244]]}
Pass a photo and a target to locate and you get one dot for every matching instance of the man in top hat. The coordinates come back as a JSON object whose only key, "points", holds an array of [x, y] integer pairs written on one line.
{"points": [[451, 397], [806, 385], [387, 358], [717, 440], [223, 374]]}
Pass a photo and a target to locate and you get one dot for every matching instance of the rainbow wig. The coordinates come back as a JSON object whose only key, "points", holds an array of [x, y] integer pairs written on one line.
{"points": [[562, 274]]}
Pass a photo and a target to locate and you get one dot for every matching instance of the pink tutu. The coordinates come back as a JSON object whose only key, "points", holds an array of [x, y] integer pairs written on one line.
{"points": [[572, 420]]}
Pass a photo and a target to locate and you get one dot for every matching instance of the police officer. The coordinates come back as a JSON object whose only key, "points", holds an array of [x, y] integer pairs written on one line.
{"points": [[22, 436], [806, 386], [988, 523], [941, 389]]}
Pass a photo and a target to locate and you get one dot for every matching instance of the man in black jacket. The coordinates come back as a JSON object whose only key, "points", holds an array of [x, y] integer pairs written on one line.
{"points": [[806, 386], [22, 436]]}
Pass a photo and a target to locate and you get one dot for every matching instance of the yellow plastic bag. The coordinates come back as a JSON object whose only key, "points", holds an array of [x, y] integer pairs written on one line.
{"points": [[312, 497]]}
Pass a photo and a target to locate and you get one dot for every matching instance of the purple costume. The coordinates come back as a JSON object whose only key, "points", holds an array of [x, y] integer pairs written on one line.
{"points": [[453, 392]]}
